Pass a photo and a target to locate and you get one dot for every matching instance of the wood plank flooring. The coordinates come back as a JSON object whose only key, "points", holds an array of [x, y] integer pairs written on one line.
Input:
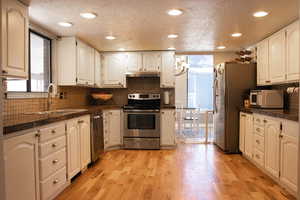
{"points": [[191, 172]]}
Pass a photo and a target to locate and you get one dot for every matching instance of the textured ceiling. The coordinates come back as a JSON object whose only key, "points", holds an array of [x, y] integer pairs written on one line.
{"points": [[144, 24]]}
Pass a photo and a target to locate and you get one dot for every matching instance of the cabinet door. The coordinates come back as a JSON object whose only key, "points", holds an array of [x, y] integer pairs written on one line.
{"points": [[15, 39], [151, 61], [112, 128], [249, 135], [85, 141], [98, 70], [134, 62], [242, 132], [167, 137], [263, 63], [21, 167], [277, 57], [73, 148], [272, 131], [168, 70], [114, 66], [82, 63], [292, 37]]}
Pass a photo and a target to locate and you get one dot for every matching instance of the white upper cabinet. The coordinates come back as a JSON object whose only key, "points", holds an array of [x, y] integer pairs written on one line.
{"points": [[277, 57], [167, 78], [292, 47], [15, 39], [263, 63], [98, 70], [114, 66], [76, 62], [134, 62], [152, 61]]}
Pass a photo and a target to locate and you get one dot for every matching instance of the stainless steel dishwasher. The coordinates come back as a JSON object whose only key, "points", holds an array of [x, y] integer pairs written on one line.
{"points": [[97, 140]]}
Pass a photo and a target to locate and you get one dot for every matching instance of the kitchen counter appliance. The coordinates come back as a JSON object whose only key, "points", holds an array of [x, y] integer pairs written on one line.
{"points": [[142, 122], [97, 140], [266, 98]]}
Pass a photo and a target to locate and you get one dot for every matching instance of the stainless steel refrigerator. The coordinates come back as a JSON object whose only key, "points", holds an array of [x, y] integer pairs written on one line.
{"points": [[231, 82]]}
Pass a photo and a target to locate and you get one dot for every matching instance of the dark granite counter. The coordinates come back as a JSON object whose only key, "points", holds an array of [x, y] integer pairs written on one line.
{"points": [[285, 114], [25, 121]]}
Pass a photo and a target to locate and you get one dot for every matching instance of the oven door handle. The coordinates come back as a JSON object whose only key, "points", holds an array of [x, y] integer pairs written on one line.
{"points": [[142, 111]]}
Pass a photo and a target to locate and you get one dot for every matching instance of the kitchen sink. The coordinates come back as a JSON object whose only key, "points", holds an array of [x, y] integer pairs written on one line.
{"points": [[62, 111]]}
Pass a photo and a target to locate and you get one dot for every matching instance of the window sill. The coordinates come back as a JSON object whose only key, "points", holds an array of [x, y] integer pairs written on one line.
{"points": [[25, 95]]}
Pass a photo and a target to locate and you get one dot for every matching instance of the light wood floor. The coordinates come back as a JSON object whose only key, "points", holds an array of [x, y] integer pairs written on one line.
{"points": [[191, 172]]}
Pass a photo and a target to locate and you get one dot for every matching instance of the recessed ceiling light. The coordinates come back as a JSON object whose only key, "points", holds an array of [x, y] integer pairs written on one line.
{"points": [[121, 49], [175, 12], [172, 36], [236, 34], [221, 47], [65, 24], [110, 37], [88, 15], [260, 14], [171, 48]]}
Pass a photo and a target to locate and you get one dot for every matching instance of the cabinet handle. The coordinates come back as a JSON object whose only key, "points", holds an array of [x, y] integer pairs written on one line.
{"points": [[54, 145], [53, 131], [37, 134], [80, 121], [265, 121], [257, 141], [55, 181], [280, 136], [55, 161], [162, 112], [243, 115], [4, 72], [268, 81]]}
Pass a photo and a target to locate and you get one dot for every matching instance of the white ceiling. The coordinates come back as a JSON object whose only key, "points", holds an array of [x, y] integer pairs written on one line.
{"points": [[144, 24]]}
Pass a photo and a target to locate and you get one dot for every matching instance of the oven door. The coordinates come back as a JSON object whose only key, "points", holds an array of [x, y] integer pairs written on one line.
{"points": [[142, 123]]}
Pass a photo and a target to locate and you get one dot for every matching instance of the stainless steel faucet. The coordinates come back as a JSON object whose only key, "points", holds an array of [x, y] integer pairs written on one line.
{"points": [[50, 91]]}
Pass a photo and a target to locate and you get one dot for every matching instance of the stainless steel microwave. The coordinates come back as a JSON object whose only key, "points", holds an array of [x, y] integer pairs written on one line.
{"points": [[267, 98]]}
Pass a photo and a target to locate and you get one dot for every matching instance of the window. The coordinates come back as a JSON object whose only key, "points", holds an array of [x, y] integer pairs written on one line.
{"points": [[39, 66], [200, 82]]}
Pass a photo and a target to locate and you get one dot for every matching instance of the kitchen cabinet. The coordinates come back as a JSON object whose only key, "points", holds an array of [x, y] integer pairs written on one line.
{"points": [[167, 136], [75, 62], [98, 70], [272, 132], [152, 61], [242, 132], [112, 128], [73, 148], [21, 167], [263, 63], [167, 77], [114, 66], [292, 52], [289, 154], [277, 57], [134, 62], [85, 140], [249, 135], [15, 30]]}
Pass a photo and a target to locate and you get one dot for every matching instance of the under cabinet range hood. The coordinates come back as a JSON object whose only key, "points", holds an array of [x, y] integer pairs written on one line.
{"points": [[142, 74]]}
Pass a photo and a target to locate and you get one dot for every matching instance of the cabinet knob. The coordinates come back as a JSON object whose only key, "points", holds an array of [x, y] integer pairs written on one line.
{"points": [[4, 72], [55, 161], [268, 81], [53, 131], [37, 134], [257, 156], [54, 145], [257, 141], [55, 181], [257, 129], [280, 136], [265, 121]]}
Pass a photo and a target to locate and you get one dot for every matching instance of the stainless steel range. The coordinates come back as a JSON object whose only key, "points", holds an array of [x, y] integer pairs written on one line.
{"points": [[142, 122]]}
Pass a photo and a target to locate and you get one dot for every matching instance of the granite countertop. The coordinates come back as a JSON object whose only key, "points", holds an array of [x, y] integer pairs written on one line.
{"points": [[168, 107], [20, 122], [279, 113]]}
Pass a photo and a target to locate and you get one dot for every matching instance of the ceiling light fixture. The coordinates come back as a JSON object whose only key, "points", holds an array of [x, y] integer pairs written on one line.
{"points": [[221, 47], [175, 12], [173, 36], [110, 37], [121, 49], [260, 14], [88, 15], [236, 34], [65, 24], [171, 48]]}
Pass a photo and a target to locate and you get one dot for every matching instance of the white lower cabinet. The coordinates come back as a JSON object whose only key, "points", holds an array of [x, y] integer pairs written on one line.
{"points": [[112, 128], [21, 167], [242, 132], [246, 134], [85, 140], [167, 136], [275, 148]]}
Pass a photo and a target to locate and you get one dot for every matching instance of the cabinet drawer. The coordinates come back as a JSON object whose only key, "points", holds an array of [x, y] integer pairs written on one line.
{"points": [[52, 184], [259, 130], [259, 142], [52, 131], [258, 120], [259, 157], [52, 163], [52, 146]]}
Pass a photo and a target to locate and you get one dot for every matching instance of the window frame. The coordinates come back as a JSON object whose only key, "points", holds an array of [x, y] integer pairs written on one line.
{"points": [[28, 81]]}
